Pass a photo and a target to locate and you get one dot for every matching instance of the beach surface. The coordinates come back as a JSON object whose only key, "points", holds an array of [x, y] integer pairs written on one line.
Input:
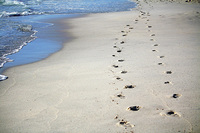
{"points": [[135, 71]]}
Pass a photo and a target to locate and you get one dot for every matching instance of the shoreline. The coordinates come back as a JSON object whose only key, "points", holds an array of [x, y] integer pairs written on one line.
{"points": [[45, 44], [135, 71]]}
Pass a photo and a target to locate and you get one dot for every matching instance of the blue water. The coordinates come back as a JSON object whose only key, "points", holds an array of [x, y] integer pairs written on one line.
{"points": [[20, 23]]}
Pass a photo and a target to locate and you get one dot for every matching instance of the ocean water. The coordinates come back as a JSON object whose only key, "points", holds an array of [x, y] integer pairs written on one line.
{"points": [[19, 25]]}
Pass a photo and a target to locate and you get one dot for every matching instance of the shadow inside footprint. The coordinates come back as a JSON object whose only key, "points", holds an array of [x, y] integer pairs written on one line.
{"points": [[176, 95], [122, 42], [115, 66], [162, 56], [149, 26], [160, 63], [134, 108], [172, 113], [166, 82], [120, 60], [125, 123], [129, 86], [119, 51], [123, 72], [121, 96], [155, 45], [168, 72]]}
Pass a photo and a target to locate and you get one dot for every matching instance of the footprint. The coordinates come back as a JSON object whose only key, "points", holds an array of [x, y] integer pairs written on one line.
{"points": [[124, 123], [154, 50], [172, 113], [160, 63], [166, 82], [127, 25], [122, 31], [153, 35], [134, 108], [161, 56], [131, 28], [114, 46], [121, 96], [123, 72], [120, 60], [122, 42], [118, 78], [129, 86], [151, 39], [119, 50], [168, 72], [115, 66], [124, 35], [113, 55], [149, 26], [155, 45], [176, 95]]}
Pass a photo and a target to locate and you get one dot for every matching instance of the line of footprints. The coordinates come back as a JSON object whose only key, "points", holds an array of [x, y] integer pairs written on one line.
{"points": [[118, 46]]}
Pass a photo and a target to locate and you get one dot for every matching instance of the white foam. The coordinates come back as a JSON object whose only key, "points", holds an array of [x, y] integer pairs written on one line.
{"points": [[3, 77], [12, 2]]}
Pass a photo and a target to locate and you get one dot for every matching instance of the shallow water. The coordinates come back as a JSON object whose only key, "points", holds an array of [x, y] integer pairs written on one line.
{"points": [[21, 24]]}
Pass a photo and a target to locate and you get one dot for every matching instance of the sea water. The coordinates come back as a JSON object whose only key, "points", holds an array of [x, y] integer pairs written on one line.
{"points": [[19, 25]]}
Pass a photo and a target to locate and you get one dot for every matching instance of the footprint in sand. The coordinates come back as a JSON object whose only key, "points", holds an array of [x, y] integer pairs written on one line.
{"points": [[170, 113], [155, 45], [153, 35], [123, 72], [113, 55], [149, 26], [122, 42], [131, 28], [176, 96], [115, 66], [118, 78], [168, 72], [134, 108], [120, 96], [161, 56], [124, 123], [151, 39], [160, 63], [129, 86], [167, 82], [119, 50], [154, 50], [120, 60], [124, 35]]}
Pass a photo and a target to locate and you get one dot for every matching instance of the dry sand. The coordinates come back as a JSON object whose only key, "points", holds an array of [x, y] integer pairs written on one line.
{"points": [[135, 71]]}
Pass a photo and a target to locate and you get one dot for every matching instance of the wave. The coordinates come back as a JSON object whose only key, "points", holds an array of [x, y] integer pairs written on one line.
{"points": [[11, 2], [3, 77], [15, 14]]}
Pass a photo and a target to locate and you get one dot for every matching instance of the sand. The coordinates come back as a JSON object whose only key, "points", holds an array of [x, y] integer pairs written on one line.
{"points": [[135, 71]]}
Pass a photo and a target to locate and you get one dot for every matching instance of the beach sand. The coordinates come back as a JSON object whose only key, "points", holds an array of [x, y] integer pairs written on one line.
{"points": [[135, 71]]}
